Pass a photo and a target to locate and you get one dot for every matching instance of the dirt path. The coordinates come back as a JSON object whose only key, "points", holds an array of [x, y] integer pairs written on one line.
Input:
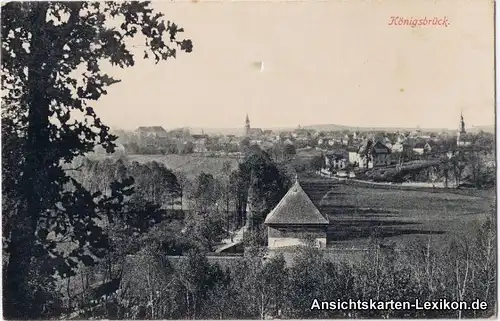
{"points": [[237, 237]]}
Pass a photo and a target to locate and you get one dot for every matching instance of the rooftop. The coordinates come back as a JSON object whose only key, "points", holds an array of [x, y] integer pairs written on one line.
{"points": [[153, 129], [295, 208]]}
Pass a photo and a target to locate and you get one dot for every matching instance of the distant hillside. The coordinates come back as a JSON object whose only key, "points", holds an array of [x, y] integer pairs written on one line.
{"points": [[321, 127], [333, 127], [487, 129], [215, 131]]}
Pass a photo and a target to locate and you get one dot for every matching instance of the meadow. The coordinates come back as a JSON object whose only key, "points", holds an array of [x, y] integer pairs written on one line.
{"points": [[190, 165], [396, 216], [358, 212]]}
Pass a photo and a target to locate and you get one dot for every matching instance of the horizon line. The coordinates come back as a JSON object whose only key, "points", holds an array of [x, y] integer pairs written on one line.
{"points": [[301, 126]]}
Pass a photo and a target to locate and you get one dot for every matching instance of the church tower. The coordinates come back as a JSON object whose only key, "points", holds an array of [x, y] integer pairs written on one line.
{"points": [[461, 131], [247, 126]]}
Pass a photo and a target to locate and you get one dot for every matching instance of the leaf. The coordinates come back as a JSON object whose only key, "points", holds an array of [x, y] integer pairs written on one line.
{"points": [[87, 260]]}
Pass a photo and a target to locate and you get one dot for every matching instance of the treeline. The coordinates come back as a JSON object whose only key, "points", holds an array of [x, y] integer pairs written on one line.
{"points": [[255, 287], [152, 181], [160, 148], [162, 213], [258, 180]]}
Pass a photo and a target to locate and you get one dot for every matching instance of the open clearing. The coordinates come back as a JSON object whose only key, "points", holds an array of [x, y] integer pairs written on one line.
{"points": [[400, 216], [190, 165]]}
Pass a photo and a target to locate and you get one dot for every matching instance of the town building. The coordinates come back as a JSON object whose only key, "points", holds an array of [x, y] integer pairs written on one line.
{"points": [[294, 220], [345, 140], [151, 132], [300, 133], [399, 146], [268, 133], [353, 157], [374, 154], [422, 147], [329, 141], [200, 143], [387, 142], [336, 161], [419, 147], [428, 147]]}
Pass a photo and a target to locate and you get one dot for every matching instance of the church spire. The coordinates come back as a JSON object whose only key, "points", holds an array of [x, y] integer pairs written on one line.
{"points": [[462, 123], [461, 131], [247, 125]]}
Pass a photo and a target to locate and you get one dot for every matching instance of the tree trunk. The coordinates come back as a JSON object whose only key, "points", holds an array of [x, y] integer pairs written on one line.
{"points": [[68, 292], [262, 314], [182, 200], [227, 211], [18, 301]]}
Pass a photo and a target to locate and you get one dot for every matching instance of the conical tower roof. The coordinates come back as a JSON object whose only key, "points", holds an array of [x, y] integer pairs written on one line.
{"points": [[296, 208]]}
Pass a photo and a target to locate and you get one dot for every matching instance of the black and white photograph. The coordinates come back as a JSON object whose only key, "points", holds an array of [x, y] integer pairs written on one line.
{"points": [[246, 159]]}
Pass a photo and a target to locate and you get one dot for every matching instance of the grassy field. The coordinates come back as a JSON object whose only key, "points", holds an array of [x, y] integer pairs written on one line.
{"points": [[400, 216], [356, 211], [191, 165]]}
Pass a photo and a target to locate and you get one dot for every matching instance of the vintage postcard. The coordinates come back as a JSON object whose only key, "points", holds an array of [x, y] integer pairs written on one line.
{"points": [[248, 159]]}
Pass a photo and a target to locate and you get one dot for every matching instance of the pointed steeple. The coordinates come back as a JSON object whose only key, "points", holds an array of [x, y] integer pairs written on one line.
{"points": [[462, 123], [247, 125], [461, 130]]}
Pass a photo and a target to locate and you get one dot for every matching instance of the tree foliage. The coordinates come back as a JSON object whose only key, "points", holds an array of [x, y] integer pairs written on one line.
{"points": [[52, 53], [264, 182], [318, 162]]}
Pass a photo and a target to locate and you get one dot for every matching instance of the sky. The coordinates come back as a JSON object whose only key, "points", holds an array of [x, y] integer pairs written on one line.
{"points": [[318, 62]]}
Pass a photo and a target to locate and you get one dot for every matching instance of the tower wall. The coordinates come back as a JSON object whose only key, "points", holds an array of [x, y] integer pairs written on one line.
{"points": [[283, 236]]}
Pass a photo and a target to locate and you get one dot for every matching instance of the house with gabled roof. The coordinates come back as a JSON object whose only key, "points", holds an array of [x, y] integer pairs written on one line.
{"points": [[419, 147], [151, 131], [295, 219], [373, 154], [336, 160]]}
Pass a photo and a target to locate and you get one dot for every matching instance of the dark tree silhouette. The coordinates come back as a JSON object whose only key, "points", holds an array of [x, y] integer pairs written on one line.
{"points": [[318, 162], [289, 150], [264, 183], [43, 44]]}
